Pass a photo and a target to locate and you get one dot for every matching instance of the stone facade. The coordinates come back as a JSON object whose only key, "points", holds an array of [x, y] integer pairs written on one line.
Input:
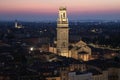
{"points": [[62, 33], [80, 51]]}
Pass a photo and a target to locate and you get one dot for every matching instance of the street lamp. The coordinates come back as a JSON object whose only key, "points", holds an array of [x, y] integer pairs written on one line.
{"points": [[31, 49]]}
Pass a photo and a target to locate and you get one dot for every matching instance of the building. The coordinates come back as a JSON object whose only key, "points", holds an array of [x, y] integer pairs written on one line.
{"points": [[17, 26], [80, 51], [62, 32], [109, 69], [79, 76], [97, 75]]}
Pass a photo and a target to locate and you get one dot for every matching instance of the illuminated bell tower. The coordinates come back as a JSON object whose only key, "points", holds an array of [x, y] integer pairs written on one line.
{"points": [[62, 33], [16, 24]]}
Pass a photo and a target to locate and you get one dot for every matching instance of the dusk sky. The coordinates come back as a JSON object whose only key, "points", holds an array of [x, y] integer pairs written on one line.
{"points": [[47, 10]]}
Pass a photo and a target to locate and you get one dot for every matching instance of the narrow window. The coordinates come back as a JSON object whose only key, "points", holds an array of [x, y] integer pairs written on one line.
{"points": [[63, 15]]}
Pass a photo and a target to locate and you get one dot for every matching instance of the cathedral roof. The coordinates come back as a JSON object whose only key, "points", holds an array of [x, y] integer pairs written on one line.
{"points": [[81, 43]]}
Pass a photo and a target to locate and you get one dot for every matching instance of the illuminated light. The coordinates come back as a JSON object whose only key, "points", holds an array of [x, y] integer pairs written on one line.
{"points": [[45, 30], [31, 49], [113, 54], [40, 31]]}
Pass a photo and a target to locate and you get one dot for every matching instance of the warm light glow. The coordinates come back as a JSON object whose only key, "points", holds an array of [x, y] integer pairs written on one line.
{"points": [[31, 49]]}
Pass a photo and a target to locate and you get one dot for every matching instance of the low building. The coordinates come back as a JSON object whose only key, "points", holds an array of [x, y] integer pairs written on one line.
{"points": [[79, 76], [109, 69], [96, 74]]}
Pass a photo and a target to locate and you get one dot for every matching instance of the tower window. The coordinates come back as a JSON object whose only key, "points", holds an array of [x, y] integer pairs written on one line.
{"points": [[63, 15]]}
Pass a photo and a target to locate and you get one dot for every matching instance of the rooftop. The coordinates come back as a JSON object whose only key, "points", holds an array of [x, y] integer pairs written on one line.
{"points": [[94, 71], [62, 8]]}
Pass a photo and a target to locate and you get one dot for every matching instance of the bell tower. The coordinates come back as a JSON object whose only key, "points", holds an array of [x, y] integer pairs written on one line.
{"points": [[16, 25], [62, 33]]}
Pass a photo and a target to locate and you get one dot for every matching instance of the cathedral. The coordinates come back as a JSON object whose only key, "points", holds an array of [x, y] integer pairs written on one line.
{"points": [[78, 51]]}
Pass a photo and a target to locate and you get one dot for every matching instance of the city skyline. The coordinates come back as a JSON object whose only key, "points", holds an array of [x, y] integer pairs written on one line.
{"points": [[45, 10]]}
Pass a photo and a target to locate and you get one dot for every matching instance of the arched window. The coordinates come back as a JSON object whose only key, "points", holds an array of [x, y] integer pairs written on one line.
{"points": [[63, 15]]}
